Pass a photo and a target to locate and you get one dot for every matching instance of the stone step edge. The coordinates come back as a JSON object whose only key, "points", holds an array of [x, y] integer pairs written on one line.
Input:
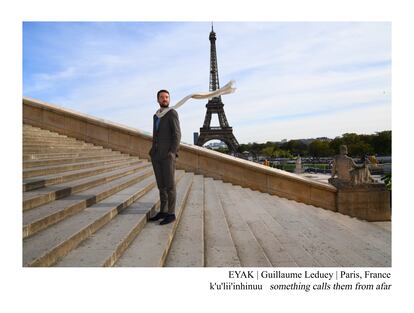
{"points": [[57, 194], [221, 208], [54, 156], [61, 168], [30, 164], [46, 221], [44, 150], [66, 166], [68, 176], [44, 133], [134, 232], [52, 256], [238, 190], [202, 230], [33, 141], [50, 143], [130, 234], [175, 225]]}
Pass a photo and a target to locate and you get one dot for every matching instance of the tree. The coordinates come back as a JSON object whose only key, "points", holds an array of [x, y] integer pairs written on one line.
{"points": [[335, 144], [223, 150], [268, 151], [358, 146], [320, 148], [381, 142], [295, 147], [279, 153], [359, 149]]}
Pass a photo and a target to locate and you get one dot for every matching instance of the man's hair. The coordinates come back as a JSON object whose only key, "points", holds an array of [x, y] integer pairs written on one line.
{"points": [[162, 90]]}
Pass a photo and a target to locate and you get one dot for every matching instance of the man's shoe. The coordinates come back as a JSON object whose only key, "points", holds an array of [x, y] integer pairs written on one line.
{"points": [[168, 219], [158, 216]]}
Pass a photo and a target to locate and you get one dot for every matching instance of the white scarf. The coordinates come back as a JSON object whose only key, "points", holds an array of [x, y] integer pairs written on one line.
{"points": [[226, 89]]}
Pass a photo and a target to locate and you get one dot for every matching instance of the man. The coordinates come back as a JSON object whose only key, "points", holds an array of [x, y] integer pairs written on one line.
{"points": [[165, 144]]}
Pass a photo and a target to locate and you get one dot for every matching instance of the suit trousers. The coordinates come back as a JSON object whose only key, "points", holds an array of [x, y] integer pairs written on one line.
{"points": [[164, 170]]}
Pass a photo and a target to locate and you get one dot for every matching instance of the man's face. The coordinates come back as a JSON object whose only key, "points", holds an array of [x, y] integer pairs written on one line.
{"points": [[164, 99]]}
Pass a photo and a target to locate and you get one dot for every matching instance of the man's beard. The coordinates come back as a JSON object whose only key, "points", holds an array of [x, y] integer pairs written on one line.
{"points": [[165, 105]]}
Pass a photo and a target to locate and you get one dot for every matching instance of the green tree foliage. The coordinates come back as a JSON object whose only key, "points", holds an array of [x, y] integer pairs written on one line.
{"points": [[358, 146], [274, 151], [387, 179], [295, 147], [320, 148], [268, 151], [381, 142], [223, 150], [283, 154]]}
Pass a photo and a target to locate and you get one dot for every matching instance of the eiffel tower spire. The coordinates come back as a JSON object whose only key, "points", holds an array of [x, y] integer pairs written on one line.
{"points": [[215, 106], [214, 80]]}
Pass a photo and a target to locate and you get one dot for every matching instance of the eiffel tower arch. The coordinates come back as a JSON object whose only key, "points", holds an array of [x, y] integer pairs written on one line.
{"points": [[215, 105]]}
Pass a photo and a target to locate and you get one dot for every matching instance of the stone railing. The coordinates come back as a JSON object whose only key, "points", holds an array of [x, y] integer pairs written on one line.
{"points": [[191, 158]]}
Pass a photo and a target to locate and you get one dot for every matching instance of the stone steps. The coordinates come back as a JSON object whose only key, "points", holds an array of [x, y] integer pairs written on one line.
{"points": [[58, 161], [362, 241], [30, 149], [60, 150], [43, 142], [250, 209], [46, 141], [90, 208], [47, 180], [321, 235], [383, 225], [42, 133], [187, 248], [46, 156], [27, 134], [151, 247], [289, 232], [53, 169], [37, 197], [249, 251], [220, 250], [36, 141], [53, 243], [106, 246], [37, 136], [43, 216]]}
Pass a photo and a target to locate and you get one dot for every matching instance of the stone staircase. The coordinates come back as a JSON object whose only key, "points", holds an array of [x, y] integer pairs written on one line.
{"points": [[84, 205]]}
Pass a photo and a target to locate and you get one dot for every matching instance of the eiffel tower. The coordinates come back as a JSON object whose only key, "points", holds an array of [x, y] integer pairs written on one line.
{"points": [[215, 106]]}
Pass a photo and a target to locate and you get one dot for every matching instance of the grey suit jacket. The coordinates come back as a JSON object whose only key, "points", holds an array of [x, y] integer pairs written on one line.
{"points": [[166, 140]]}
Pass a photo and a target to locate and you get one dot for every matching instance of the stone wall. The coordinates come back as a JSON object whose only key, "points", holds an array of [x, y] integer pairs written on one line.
{"points": [[370, 202], [191, 158]]}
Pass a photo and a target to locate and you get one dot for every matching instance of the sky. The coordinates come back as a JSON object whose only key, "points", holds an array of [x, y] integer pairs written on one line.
{"points": [[294, 79]]}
